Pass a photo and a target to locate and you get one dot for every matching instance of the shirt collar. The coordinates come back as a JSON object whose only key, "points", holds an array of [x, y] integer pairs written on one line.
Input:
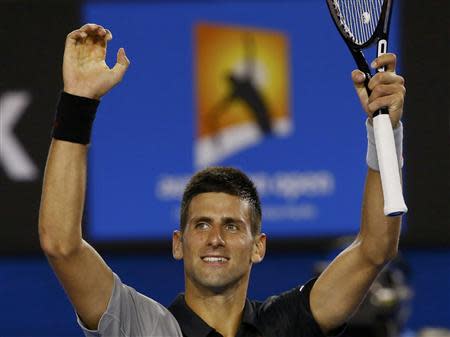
{"points": [[249, 316], [190, 323], [193, 326]]}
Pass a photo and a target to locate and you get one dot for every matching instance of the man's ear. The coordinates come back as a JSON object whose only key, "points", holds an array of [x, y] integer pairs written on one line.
{"points": [[259, 248], [177, 245]]}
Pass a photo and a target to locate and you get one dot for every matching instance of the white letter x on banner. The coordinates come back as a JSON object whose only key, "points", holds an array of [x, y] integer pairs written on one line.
{"points": [[13, 157]]}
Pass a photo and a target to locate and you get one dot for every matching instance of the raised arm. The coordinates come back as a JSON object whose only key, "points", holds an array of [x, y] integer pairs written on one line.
{"points": [[85, 277], [342, 286]]}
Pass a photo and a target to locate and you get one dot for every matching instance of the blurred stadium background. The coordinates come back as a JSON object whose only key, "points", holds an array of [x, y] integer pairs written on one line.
{"points": [[153, 131]]}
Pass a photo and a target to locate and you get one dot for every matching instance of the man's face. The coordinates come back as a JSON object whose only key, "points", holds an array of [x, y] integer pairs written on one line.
{"points": [[217, 245]]}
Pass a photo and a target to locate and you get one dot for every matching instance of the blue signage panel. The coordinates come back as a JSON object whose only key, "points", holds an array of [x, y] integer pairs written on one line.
{"points": [[260, 85]]}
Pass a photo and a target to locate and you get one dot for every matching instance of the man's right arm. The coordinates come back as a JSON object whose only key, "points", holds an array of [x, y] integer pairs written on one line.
{"points": [[86, 278]]}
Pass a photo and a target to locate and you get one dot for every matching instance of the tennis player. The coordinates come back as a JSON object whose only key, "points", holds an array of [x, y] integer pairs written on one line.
{"points": [[219, 238]]}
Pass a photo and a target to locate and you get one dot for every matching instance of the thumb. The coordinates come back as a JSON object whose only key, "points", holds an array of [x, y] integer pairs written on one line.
{"points": [[121, 65], [358, 78]]}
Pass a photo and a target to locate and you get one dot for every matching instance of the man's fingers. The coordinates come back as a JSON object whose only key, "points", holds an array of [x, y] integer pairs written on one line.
{"points": [[393, 102], [74, 37], [94, 33], [358, 79], [121, 65], [92, 28], [76, 34], [387, 90], [388, 60], [386, 77], [91, 40], [108, 36]]}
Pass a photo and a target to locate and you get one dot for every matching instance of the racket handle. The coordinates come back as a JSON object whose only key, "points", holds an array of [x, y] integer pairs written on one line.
{"points": [[394, 203]]}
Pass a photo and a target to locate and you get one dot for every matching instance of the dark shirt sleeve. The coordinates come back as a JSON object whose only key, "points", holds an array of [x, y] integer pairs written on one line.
{"points": [[289, 315]]}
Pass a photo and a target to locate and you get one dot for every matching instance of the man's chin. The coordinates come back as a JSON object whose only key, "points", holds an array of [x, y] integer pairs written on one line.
{"points": [[217, 289], [218, 285]]}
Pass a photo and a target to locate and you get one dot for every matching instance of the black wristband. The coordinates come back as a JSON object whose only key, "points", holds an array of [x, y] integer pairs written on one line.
{"points": [[74, 118]]}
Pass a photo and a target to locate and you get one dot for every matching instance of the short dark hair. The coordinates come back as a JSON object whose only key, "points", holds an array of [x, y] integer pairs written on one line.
{"points": [[226, 180]]}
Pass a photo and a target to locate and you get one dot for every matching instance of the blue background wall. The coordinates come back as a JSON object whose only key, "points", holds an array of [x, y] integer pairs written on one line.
{"points": [[129, 158]]}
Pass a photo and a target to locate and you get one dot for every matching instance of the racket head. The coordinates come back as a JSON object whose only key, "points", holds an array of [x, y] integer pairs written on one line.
{"points": [[361, 22]]}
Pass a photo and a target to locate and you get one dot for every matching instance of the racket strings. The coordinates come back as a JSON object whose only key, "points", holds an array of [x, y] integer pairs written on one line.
{"points": [[359, 18]]}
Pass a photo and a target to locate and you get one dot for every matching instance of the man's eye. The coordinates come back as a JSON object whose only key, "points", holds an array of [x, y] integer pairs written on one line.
{"points": [[232, 227], [202, 225]]}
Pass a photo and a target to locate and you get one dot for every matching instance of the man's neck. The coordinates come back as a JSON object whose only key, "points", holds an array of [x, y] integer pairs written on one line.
{"points": [[223, 311]]}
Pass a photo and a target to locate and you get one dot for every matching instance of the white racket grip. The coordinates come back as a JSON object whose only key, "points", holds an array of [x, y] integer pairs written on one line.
{"points": [[394, 203]]}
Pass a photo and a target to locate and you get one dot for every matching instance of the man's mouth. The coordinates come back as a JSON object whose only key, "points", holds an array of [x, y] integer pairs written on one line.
{"points": [[215, 259]]}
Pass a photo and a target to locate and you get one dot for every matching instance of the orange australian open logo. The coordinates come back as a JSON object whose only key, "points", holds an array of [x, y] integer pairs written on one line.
{"points": [[242, 89]]}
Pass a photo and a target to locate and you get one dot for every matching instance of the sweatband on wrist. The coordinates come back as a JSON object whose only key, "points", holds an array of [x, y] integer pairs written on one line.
{"points": [[74, 118], [372, 157]]}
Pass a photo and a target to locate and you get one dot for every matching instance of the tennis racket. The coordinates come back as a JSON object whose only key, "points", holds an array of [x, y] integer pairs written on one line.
{"points": [[362, 23]]}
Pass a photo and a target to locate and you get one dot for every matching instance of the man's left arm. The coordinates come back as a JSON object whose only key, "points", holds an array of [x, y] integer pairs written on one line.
{"points": [[342, 286]]}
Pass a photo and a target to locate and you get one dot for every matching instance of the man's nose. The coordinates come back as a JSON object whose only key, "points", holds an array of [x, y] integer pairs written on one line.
{"points": [[215, 237]]}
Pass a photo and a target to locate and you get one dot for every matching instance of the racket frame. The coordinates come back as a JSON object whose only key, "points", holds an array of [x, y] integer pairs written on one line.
{"points": [[394, 204]]}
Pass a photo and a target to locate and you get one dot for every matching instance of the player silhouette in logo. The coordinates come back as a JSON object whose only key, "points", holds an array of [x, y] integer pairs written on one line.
{"points": [[243, 88]]}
